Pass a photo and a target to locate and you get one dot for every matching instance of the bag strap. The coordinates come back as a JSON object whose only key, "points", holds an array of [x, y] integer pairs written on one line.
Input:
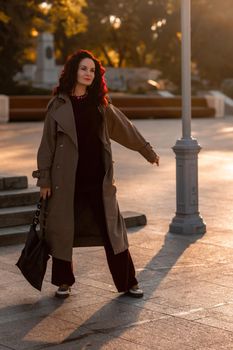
{"points": [[36, 220]]}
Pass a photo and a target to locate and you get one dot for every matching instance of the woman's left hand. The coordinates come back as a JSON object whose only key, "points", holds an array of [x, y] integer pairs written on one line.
{"points": [[156, 160]]}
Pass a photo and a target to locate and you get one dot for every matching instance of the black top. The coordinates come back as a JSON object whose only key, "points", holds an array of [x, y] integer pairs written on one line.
{"points": [[88, 120]]}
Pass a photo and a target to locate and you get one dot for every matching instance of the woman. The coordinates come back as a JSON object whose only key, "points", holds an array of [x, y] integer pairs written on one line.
{"points": [[75, 172]]}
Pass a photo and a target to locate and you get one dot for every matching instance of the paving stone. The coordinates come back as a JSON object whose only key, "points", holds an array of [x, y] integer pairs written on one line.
{"points": [[145, 304], [22, 293], [100, 316], [217, 347], [18, 293], [10, 255], [187, 281], [5, 348], [223, 322], [47, 305], [83, 260], [36, 333], [94, 340], [172, 333], [220, 275], [7, 276], [102, 276], [98, 284], [197, 294]]}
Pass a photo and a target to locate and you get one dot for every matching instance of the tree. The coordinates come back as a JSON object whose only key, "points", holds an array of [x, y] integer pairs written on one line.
{"points": [[168, 44], [19, 18], [212, 49], [15, 24], [121, 33], [130, 33]]}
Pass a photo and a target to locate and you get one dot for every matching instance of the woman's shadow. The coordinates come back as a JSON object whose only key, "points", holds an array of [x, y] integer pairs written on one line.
{"points": [[123, 312], [76, 329]]}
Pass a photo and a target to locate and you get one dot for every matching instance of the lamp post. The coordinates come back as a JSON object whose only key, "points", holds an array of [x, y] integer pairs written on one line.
{"points": [[187, 219]]}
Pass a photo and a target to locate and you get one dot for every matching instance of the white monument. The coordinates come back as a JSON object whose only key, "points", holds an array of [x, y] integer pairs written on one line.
{"points": [[46, 69]]}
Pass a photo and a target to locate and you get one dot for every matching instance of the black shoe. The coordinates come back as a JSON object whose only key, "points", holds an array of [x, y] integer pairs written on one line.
{"points": [[135, 292], [63, 291]]}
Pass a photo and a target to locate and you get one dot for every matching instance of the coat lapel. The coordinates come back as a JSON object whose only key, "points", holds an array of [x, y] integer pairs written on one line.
{"points": [[64, 116]]}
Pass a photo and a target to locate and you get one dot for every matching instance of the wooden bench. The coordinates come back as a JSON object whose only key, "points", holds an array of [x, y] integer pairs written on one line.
{"points": [[161, 107], [32, 108]]}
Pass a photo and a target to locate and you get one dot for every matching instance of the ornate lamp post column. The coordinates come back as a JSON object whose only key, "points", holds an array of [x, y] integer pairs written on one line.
{"points": [[187, 219]]}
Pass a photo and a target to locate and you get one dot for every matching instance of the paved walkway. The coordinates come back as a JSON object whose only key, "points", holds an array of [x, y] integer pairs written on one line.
{"points": [[188, 281]]}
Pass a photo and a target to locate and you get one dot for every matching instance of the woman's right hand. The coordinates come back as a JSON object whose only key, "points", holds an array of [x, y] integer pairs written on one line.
{"points": [[45, 192]]}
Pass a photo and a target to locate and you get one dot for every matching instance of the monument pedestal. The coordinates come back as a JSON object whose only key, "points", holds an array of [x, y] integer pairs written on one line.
{"points": [[46, 72]]}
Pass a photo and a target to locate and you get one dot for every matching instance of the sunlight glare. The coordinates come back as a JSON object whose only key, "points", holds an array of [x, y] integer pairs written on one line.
{"points": [[227, 129], [115, 21]]}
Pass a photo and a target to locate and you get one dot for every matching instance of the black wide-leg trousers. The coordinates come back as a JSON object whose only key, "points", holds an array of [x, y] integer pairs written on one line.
{"points": [[120, 265]]}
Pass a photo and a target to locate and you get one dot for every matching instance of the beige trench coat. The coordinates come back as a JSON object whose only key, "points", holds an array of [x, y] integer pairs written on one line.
{"points": [[57, 160]]}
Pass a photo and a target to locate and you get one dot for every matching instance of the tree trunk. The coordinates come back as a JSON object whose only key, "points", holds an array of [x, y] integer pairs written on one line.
{"points": [[110, 64]]}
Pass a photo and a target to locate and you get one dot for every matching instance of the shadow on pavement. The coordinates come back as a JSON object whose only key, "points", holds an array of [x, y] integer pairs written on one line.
{"points": [[125, 312], [45, 326], [17, 321]]}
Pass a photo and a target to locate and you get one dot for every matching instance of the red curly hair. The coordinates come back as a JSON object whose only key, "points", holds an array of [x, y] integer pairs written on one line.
{"points": [[68, 78]]}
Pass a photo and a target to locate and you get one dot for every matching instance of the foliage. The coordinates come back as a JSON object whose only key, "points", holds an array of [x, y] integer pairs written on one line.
{"points": [[15, 23], [19, 18], [212, 47], [169, 46], [122, 33], [66, 14]]}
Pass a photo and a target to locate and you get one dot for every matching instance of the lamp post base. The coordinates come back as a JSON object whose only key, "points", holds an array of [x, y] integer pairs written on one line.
{"points": [[187, 225], [187, 220]]}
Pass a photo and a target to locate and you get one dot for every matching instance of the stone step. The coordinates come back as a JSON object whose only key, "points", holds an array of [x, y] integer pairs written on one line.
{"points": [[8, 182], [134, 219], [16, 216], [17, 234], [13, 235], [22, 197]]}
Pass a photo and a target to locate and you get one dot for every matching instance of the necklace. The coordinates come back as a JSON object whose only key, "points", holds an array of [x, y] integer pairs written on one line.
{"points": [[80, 97]]}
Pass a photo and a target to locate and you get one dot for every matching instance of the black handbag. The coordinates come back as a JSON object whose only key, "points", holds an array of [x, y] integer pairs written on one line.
{"points": [[35, 254]]}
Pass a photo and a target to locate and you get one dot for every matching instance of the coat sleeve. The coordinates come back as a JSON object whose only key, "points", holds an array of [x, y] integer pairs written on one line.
{"points": [[46, 151], [121, 130]]}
